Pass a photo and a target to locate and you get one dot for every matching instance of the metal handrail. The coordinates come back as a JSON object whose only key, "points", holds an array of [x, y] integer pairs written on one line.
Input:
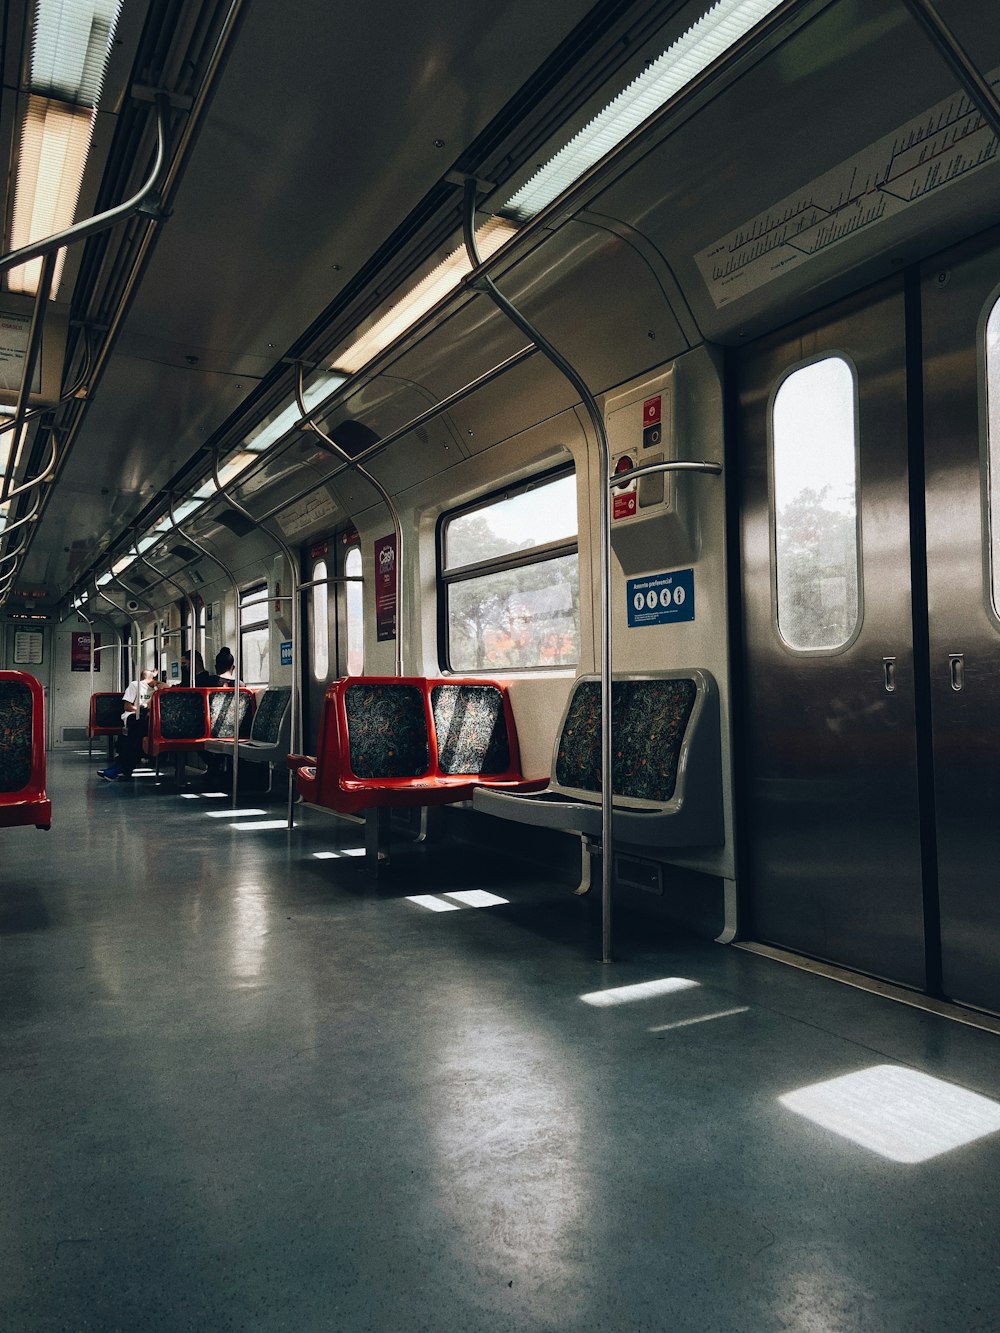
{"points": [[295, 709], [569, 372], [237, 654], [386, 499]]}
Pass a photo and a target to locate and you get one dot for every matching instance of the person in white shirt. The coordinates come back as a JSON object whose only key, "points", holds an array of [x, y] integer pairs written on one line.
{"points": [[135, 723]]}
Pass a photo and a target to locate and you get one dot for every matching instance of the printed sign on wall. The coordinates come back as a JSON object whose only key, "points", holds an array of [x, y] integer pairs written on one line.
{"points": [[285, 652], [385, 588], [79, 652], [661, 599]]}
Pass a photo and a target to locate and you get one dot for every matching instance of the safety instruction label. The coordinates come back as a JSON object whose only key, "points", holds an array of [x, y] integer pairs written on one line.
{"points": [[661, 599]]}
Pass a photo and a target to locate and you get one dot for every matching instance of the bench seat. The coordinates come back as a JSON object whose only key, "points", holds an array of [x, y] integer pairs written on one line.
{"points": [[393, 741], [188, 717], [667, 764]]}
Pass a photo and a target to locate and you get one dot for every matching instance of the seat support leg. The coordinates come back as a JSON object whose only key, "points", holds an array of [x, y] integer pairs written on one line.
{"points": [[376, 839]]}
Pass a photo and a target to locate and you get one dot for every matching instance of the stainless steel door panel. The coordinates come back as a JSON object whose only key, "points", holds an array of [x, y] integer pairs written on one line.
{"points": [[966, 720], [832, 846]]}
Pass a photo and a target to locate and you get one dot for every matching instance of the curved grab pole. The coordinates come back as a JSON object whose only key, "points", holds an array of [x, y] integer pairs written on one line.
{"points": [[79, 231], [307, 423], [168, 578], [47, 249], [237, 663], [483, 282], [295, 719], [429, 414]]}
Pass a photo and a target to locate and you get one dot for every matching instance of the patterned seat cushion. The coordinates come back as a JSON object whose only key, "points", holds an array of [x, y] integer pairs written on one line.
{"points": [[471, 729], [269, 715], [181, 715], [108, 710], [649, 719], [15, 735], [220, 712], [388, 731]]}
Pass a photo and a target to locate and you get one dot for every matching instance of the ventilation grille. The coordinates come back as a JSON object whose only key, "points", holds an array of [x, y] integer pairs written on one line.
{"points": [[74, 733]]}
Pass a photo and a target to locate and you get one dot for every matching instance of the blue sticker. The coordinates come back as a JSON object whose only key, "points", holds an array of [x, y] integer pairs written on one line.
{"points": [[661, 599], [285, 655]]}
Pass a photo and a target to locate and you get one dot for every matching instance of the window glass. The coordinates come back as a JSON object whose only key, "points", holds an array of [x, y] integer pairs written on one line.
{"points": [[544, 513], [320, 624], [993, 447], [355, 614], [814, 441], [510, 580], [255, 635]]}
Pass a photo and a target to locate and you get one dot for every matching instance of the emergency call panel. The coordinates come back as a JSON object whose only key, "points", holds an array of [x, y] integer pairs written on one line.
{"points": [[646, 528]]}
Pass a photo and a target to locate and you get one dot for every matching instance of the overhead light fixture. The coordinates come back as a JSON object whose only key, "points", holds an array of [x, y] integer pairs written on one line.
{"points": [[705, 41], [70, 46], [423, 297], [71, 41], [105, 579], [272, 429]]}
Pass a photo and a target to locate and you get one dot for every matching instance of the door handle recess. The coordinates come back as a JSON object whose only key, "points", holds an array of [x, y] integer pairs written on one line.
{"points": [[889, 673], [956, 666]]}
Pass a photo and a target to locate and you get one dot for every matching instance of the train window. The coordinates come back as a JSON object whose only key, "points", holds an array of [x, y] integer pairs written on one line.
{"points": [[255, 635], [355, 613], [510, 581], [814, 464], [320, 624]]}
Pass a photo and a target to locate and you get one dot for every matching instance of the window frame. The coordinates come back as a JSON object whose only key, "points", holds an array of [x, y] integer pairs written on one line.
{"points": [[546, 551], [249, 626], [827, 354]]}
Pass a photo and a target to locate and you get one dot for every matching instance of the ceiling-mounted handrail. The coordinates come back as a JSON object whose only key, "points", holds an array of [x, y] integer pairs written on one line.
{"points": [[47, 249], [79, 231], [339, 452]]}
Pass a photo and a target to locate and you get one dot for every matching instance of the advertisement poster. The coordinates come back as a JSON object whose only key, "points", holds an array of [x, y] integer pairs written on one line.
{"points": [[385, 588], [80, 652]]}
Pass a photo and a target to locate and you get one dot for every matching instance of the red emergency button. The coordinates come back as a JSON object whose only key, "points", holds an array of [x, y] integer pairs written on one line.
{"points": [[624, 464]]}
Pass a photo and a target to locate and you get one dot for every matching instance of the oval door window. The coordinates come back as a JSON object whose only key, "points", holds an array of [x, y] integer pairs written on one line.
{"points": [[814, 465]]}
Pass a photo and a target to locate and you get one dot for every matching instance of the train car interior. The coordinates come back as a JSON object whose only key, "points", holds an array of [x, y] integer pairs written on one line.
{"points": [[500, 666]]}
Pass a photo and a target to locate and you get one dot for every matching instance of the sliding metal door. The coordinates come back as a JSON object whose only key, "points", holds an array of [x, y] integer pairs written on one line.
{"points": [[831, 863]]}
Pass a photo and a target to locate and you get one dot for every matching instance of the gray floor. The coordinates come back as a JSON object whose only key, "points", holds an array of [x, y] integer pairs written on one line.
{"points": [[243, 1088]]}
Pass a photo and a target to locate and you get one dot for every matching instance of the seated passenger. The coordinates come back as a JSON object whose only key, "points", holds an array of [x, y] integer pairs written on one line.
{"points": [[202, 678], [225, 667], [135, 720]]}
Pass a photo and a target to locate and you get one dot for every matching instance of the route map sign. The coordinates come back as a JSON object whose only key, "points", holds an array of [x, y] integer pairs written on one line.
{"points": [[922, 157]]}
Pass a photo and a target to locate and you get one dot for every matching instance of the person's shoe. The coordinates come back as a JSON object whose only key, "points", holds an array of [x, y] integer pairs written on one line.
{"points": [[109, 774]]}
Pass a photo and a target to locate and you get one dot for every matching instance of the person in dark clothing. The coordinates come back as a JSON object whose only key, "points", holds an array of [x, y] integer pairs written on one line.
{"points": [[202, 678], [135, 720]]}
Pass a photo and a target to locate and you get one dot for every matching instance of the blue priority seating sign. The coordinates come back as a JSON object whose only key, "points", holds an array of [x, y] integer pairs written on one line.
{"points": [[661, 599]]}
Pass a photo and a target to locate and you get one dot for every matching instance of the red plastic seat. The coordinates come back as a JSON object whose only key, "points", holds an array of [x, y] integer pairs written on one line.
{"points": [[23, 799]]}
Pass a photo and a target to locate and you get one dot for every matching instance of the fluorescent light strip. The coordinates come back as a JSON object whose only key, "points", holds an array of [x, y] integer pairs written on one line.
{"points": [[70, 47], [421, 298], [713, 34], [55, 140]]}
